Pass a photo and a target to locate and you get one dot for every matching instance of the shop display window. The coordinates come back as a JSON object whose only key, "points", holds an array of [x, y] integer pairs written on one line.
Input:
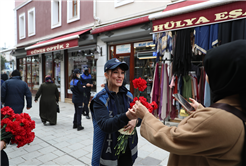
{"points": [[35, 72], [58, 75], [80, 60], [144, 66], [29, 69], [49, 65]]}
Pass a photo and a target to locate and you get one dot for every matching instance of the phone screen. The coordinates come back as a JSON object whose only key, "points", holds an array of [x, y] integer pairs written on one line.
{"points": [[183, 102]]}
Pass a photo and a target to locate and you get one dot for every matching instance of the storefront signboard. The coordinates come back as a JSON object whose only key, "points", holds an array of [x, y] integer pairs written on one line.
{"points": [[53, 47], [121, 49], [144, 44], [228, 12]]}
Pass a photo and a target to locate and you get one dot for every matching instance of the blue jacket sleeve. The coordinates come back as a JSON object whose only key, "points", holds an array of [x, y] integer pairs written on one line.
{"points": [[106, 123], [3, 92], [83, 81], [28, 95], [80, 87]]}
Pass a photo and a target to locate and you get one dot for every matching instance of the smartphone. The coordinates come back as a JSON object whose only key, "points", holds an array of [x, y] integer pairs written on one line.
{"points": [[183, 102]]}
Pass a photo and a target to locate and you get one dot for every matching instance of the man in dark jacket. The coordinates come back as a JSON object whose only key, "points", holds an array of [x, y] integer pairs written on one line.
{"points": [[13, 92], [87, 82]]}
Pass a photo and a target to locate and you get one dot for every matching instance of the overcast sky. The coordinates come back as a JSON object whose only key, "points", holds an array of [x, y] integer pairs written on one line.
{"points": [[7, 23]]}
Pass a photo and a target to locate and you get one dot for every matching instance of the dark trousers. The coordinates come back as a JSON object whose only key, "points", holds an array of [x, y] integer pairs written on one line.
{"points": [[77, 115], [4, 159], [86, 102], [126, 158]]}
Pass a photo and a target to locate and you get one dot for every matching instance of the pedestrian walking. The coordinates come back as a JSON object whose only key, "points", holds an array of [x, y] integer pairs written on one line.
{"points": [[87, 82], [5, 77], [212, 135], [48, 101], [109, 109], [13, 92], [77, 99]]}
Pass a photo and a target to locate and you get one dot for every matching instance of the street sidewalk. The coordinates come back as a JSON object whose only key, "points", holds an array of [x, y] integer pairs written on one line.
{"points": [[61, 145]]}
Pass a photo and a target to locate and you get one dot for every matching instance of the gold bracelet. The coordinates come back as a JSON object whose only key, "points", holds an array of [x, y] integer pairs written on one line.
{"points": [[4, 146]]}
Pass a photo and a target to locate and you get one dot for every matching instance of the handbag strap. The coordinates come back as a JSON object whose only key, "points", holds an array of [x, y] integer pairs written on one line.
{"points": [[231, 109], [239, 114]]}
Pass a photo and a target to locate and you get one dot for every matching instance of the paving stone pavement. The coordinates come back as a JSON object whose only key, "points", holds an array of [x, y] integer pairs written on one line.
{"points": [[61, 145]]}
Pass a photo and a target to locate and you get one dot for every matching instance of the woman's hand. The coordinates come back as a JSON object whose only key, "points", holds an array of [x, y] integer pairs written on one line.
{"points": [[36, 101], [130, 114], [3, 145], [194, 103], [131, 125], [139, 110]]}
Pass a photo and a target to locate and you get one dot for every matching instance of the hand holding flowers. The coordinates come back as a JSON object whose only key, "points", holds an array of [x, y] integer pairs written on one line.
{"points": [[16, 127], [130, 129]]}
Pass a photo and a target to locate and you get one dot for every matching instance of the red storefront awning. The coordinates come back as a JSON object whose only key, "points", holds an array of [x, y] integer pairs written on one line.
{"points": [[228, 12], [58, 43]]}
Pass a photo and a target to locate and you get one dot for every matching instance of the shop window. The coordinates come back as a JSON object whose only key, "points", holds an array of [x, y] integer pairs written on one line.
{"points": [[29, 69], [22, 26], [22, 68], [49, 65], [35, 73], [118, 3], [55, 13], [73, 10], [31, 22], [144, 65], [80, 60]]}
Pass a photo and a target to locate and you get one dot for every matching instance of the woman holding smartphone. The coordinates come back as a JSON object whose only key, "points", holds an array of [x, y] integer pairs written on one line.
{"points": [[212, 135]]}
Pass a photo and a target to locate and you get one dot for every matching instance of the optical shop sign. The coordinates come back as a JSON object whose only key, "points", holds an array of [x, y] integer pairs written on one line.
{"points": [[53, 47], [231, 11]]}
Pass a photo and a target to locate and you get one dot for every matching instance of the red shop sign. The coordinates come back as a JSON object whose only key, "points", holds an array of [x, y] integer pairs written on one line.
{"points": [[228, 12], [53, 47]]}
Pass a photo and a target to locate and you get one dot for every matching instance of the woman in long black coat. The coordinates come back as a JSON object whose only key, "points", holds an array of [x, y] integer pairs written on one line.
{"points": [[48, 102]]}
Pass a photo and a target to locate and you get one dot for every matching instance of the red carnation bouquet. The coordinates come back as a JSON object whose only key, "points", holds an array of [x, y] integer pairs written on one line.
{"points": [[122, 140], [16, 127]]}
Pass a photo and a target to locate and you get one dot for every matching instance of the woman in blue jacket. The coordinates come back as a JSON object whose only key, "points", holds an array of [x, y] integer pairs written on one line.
{"points": [[109, 109], [77, 99]]}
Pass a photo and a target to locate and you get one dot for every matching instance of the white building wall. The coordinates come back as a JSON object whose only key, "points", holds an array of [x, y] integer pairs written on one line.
{"points": [[100, 64], [135, 8]]}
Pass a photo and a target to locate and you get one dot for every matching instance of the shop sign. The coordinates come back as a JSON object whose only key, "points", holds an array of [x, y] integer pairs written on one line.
{"points": [[228, 12], [121, 49], [53, 47], [143, 44]]}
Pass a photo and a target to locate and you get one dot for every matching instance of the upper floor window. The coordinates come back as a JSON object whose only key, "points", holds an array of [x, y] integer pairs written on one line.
{"points": [[73, 10], [31, 22], [22, 26], [55, 13], [118, 3]]}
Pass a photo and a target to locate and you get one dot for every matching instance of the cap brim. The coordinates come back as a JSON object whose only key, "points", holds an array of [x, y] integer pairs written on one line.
{"points": [[123, 66]]}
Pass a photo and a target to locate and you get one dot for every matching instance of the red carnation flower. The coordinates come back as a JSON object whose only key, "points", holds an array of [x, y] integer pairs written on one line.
{"points": [[139, 84]]}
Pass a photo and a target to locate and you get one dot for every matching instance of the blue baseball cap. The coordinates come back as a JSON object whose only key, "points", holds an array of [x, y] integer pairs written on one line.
{"points": [[114, 63], [76, 71]]}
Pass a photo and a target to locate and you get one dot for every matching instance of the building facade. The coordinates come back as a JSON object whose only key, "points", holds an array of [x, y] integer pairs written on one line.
{"points": [[53, 38]]}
